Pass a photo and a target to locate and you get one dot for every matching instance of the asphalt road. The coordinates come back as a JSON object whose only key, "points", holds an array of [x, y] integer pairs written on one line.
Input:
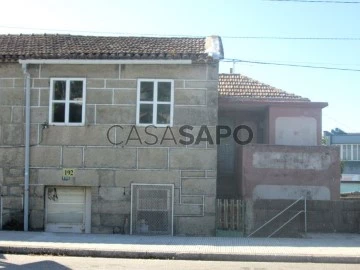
{"points": [[61, 262]]}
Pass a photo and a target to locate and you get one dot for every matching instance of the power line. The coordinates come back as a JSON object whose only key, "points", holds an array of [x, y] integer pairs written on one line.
{"points": [[337, 121], [96, 32], [305, 62], [317, 1], [289, 65], [292, 38], [192, 36]]}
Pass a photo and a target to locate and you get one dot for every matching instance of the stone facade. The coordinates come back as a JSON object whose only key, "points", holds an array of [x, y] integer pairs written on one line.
{"points": [[110, 169]]}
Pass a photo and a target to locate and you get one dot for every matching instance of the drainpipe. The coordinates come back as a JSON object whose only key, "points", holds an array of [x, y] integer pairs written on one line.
{"points": [[27, 146]]}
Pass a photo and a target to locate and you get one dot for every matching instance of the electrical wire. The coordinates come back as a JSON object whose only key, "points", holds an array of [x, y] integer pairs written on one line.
{"points": [[288, 65], [293, 38], [317, 1], [337, 121], [305, 62], [98, 32], [190, 36]]}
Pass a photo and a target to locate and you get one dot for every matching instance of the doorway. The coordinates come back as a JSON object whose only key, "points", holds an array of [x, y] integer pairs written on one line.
{"points": [[67, 209]]}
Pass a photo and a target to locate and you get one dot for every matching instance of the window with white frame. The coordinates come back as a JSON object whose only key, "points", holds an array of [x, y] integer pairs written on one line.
{"points": [[350, 152], [67, 101], [155, 102]]}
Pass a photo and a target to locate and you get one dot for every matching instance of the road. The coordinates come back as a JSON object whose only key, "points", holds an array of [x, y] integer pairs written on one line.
{"points": [[61, 262]]}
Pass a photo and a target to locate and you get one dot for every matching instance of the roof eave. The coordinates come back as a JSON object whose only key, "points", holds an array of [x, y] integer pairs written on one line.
{"points": [[269, 102], [106, 61]]}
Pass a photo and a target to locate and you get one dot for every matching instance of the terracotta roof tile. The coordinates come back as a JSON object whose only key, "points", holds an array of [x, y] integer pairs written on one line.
{"points": [[15, 47], [245, 88]]}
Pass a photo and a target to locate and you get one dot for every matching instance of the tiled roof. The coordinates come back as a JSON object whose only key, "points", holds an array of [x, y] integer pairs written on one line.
{"points": [[245, 88], [15, 47]]}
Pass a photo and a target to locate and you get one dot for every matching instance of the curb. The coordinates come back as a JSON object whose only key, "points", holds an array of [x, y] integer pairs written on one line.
{"points": [[179, 256]]}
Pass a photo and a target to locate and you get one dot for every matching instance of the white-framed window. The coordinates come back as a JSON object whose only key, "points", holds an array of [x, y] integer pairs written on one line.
{"points": [[155, 102], [350, 152], [67, 101]]}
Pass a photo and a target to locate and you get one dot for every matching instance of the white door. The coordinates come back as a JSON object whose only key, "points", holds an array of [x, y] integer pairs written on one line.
{"points": [[65, 209]]}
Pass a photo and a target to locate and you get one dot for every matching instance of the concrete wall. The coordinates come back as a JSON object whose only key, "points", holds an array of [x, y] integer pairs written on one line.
{"points": [[341, 216], [229, 161], [288, 172], [109, 170], [274, 124], [295, 131], [295, 125]]}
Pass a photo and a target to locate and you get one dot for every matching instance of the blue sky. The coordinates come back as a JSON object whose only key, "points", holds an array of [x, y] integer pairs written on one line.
{"points": [[228, 18]]}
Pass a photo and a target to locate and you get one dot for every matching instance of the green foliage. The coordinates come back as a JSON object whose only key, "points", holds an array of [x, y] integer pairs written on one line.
{"points": [[324, 141]]}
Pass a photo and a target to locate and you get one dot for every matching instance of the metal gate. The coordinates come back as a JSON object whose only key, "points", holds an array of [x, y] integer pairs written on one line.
{"points": [[152, 209], [230, 217]]}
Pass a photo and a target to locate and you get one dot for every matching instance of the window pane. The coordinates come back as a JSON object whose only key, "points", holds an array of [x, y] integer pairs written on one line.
{"points": [[164, 91], [75, 113], [163, 114], [59, 112], [348, 152], [76, 90], [343, 149], [59, 90], [146, 113], [147, 91]]}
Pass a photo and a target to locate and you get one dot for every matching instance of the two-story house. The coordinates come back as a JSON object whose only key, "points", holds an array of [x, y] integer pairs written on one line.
{"points": [[90, 131]]}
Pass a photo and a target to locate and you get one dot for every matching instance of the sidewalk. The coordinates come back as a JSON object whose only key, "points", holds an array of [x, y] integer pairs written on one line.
{"points": [[321, 248]]}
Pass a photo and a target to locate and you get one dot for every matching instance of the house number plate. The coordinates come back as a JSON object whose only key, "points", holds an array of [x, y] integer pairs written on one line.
{"points": [[68, 174]]}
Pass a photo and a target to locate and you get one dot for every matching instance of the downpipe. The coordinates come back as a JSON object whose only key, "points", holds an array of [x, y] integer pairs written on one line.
{"points": [[27, 146]]}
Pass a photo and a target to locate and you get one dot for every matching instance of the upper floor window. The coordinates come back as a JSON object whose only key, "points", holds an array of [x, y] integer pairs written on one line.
{"points": [[350, 152], [67, 101], [155, 102]]}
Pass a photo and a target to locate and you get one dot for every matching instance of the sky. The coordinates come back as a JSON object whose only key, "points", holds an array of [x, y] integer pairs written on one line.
{"points": [[228, 18]]}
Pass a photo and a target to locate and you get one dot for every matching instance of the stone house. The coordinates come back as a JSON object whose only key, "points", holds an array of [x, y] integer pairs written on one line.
{"points": [[90, 130]]}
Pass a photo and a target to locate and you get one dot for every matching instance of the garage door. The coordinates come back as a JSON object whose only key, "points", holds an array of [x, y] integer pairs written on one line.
{"points": [[65, 209]]}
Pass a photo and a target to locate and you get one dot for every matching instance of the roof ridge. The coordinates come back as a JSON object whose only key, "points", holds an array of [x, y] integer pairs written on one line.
{"points": [[104, 36]]}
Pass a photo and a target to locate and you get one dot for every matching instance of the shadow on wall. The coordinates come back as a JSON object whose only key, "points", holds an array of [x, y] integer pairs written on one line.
{"points": [[13, 225], [13, 221]]}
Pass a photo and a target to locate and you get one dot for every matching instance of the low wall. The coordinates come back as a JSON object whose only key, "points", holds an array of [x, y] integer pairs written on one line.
{"points": [[342, 216], [289, 172]]}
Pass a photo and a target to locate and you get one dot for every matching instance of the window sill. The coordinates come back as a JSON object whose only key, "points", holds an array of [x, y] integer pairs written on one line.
{"points": [[67, 125], [152, 125]]}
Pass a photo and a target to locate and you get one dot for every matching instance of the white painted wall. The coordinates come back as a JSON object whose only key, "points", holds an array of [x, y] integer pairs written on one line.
{"points": [[295, 131]]}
